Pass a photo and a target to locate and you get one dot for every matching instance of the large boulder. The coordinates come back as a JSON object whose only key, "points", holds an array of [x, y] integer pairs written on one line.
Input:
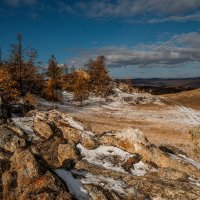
{"points": [[27, 180], [88, 141], [9, 141], [43, 129], [15, 143], [67, 154], [71, 135], [131, 140]]}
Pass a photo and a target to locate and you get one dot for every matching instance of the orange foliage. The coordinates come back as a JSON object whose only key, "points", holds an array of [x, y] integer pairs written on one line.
{"points": [[30, 98], [8, 87], [50, 92]]}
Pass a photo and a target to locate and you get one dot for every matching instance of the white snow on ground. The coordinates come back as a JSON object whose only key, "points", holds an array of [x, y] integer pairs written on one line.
{"points": [[74, 185], [194, 182], [185, 159], [112, 158], [192, 116], [26, 124], [122, 98], [74, 124], [140, 169], [107, 183], [105, 156], [121, 105]]}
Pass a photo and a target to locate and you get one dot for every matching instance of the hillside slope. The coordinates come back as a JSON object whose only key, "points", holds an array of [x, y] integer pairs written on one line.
{"points": [[187, 98], [64, 160]]}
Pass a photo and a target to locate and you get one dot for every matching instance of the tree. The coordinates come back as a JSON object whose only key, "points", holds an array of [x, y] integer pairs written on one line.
{"points": [[54, 71], [16, 62], [65, 69], [100, 79], [49, 92], [8, 87], [23, 68], [32, 81], [72, 69], [80, 86], [88, 66]]}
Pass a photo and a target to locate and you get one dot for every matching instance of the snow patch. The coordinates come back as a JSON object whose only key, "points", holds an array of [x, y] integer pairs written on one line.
{"points": [[140, 169], [185, 159], [26, 124], [105, 156], [74, 124], [74, 185], [108, 183]]}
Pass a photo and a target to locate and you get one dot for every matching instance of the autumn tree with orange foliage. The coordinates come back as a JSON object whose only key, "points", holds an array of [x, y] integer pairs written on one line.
{"points": [[49, 92], [81, 86], [8, 88], [99, 77], [23, 69], [54, 74]]}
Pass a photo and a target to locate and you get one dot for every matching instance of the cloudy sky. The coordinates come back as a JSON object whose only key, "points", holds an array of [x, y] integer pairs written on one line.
{"points": [[139, 38]]}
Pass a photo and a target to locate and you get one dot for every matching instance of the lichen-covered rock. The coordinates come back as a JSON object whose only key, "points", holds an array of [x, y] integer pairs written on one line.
{"points": [[16, 129], [88, 142], [15, 143], [27, 179], [43, 129], [119, 165], [71, 135], [67, 154], [48, 150], [131, 140]]}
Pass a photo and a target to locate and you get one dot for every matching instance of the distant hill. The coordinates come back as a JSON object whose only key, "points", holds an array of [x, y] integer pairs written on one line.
{"points": [[165, 86]]}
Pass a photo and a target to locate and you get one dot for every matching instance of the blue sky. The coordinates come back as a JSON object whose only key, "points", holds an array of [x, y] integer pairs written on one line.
{"points": [[139, 38]]}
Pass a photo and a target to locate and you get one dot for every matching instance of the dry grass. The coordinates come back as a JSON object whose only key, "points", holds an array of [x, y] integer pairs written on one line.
{"points": [[187, 98], [158, 132]]}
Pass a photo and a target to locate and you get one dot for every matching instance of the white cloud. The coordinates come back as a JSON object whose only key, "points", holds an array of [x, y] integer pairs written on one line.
{"points": [[178, 50], [131, 8]]}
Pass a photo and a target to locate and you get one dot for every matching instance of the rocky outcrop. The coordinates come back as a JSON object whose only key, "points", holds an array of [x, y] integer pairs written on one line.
{"points": [[68, 154], [43, 129], [28, 179], [57, 158]]}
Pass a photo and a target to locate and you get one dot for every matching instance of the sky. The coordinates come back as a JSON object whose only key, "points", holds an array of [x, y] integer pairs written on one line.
{"points": [[139, 38]]}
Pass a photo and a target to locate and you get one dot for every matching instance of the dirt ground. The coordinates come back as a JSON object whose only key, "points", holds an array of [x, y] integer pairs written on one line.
{"points": [[167, 124]]}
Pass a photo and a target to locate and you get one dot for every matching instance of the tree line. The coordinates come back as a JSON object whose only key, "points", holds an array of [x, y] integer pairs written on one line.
{"points": [[21, 76]]}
